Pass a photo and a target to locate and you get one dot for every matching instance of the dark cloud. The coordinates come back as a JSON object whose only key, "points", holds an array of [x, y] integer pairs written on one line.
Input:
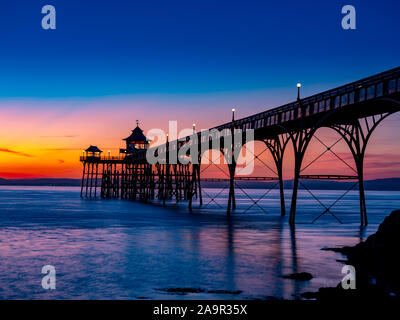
{"points": [[16, 152], [66, 136], [391, 164], [62, 149]]}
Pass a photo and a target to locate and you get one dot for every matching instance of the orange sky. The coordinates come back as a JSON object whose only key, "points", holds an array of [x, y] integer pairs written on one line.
{"points": [[41, 139]]}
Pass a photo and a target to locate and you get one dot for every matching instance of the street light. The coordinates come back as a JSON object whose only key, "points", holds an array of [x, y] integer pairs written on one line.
{"points": [[298, 91], [194, 127], [233, 114]]}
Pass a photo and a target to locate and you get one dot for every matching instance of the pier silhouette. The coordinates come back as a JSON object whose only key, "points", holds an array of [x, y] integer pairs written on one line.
{"points": [[353, 110]]}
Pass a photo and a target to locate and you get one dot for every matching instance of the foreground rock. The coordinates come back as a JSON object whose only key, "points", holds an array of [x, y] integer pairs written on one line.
{"points": [[301, 276], [377, 265], [183, 291]]}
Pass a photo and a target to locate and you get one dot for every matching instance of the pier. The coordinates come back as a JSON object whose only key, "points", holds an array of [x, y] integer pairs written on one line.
{"points": [[353, 111]]}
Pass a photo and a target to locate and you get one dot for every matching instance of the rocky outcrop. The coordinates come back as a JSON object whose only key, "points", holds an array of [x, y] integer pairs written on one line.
{"points": [[301, 276], [377, 265]]}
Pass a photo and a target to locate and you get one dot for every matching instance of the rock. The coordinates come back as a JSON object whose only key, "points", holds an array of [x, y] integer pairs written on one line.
{"points": [[377, 257], [310, 295], [302, 276], [367, 293], [377, 263], [225, 291], [182, 291]]}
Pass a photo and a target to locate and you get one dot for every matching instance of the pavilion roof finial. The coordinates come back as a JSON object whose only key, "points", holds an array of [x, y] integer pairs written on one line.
{"points": [[137, 123]]}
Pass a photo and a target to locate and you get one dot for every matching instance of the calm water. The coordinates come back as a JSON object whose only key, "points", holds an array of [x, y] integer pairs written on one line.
{"points": [[112, 249]]}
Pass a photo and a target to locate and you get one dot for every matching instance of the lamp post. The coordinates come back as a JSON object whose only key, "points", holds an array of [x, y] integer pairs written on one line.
{"points": [[298, 91], [194, 127], [233, 114]]}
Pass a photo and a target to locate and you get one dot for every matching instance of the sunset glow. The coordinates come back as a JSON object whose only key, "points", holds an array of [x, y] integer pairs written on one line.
{"points": [[89, 80], [42, 139]]}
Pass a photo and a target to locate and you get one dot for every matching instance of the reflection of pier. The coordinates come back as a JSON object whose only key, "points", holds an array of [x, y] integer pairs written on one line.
{"points": [[353, 111]]}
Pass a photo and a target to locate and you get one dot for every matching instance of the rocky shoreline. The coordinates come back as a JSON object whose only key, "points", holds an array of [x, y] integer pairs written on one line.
{"points": [[377, 266]]}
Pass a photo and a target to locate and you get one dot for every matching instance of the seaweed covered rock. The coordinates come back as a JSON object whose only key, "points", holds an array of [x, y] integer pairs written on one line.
{"points": [[301, 276], [377, 265], [377, 259]]}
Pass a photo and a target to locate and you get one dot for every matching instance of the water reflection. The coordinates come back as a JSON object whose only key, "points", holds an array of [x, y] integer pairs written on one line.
{"points": [[294, 259], [125, 250]]}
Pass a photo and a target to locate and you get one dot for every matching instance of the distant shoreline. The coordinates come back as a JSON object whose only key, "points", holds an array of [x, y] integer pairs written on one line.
{"points": [[389, 184]]}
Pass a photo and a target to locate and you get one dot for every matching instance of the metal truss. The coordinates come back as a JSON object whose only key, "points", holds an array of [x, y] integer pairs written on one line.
{"points": [[356, 133]]}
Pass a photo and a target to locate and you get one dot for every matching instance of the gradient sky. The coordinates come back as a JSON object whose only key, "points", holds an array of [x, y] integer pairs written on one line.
{"points": [[109, 63]]}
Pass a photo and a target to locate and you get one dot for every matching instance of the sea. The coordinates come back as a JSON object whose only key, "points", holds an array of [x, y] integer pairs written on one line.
{"points": [[119, 249]]}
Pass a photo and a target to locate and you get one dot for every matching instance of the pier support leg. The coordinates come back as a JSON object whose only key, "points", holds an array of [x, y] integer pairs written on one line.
{"points": [[192, 185], [281, 190], [297, 168], [300, 140], [277, 146], [91, 180], [199, 184], [163, 187], [363, 206], [103, 181], [87, 180], [83, 178], [95, 183], [231, 197], [356, 133]]}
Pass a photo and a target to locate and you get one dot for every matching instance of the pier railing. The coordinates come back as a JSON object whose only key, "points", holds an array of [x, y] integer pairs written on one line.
{"points": [[106, 158]]}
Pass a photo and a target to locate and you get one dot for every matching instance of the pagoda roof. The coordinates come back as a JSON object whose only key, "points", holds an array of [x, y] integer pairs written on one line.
{"points": [[93, 149], [136, 135]]}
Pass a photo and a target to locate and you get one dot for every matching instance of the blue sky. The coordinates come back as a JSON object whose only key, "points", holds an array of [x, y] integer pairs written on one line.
{"points": [[103, 48], [109, 63]]}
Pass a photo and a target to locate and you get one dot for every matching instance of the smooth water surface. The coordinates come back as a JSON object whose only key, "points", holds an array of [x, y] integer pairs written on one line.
{"points": [[113, 249]]}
